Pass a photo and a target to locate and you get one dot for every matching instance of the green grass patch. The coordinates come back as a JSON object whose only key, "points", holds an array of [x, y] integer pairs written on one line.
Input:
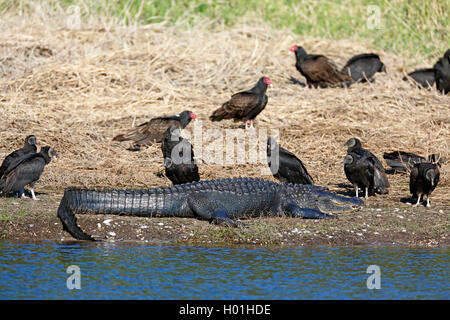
{"points": [[7, 214], [412, 27]]}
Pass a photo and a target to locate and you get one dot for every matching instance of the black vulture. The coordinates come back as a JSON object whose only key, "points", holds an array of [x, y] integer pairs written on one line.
{"points": [[356, 168], [354, 145], [424, 77], [285, 166], [423, 180], [153, 130], [26, 170], [442, 68], [30, 146], [381, 182], [178, 156], [362, 172], [245, 105], [362, 67], [402, 161], [318, 70]]}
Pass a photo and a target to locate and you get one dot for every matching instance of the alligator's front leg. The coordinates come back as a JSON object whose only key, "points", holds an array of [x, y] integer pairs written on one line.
{"points": [[306, 213], [211, 210], [221, 217]]}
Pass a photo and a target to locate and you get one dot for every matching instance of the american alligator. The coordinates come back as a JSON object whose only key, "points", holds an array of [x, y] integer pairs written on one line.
{"points": [[219, 201]]}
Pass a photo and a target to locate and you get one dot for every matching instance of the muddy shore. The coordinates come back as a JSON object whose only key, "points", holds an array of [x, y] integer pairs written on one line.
{"points": [[25, 220]]}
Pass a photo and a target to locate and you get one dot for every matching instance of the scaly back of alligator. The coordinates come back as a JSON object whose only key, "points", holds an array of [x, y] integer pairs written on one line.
{"points": [[168, 201], [220, 200]]}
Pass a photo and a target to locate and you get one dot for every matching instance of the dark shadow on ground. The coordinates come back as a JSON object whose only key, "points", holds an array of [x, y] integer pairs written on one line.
{"points": [[394, 171], [349, 190], [134, 148], [295, 81], [27, 194], [413, 201]]}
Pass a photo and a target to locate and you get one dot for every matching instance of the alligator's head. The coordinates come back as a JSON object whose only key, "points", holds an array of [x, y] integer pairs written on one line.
{"points": [[320, 198], [332, 203]]}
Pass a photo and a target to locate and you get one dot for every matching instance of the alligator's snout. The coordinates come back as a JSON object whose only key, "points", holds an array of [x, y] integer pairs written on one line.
{"points": [[353, 201], [331, 202]]}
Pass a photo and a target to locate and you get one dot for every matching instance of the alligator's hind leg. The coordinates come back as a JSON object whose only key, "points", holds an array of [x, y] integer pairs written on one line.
{"points": [[211, 210], [307, 213], [220, 217]]}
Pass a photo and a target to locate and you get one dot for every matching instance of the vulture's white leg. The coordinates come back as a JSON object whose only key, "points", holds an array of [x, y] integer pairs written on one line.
{"points": [[418, 200], [33, 196]]}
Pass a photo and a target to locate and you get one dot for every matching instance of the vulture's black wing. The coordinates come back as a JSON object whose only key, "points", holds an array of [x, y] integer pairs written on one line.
{"points": [[292, 169], [25, 172], [442, 68], [424, 77], [178, 156], [414, 181], [9, 159], [402, 161], [362, 67]]}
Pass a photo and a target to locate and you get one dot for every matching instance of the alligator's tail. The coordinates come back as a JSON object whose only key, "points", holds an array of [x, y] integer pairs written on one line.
{"points": [[145, 203], [81, 201], [69, 221]]}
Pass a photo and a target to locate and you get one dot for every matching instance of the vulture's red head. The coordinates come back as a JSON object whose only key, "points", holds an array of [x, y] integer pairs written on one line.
{"points": [[267, 81], [192, 115], [293, 49]]}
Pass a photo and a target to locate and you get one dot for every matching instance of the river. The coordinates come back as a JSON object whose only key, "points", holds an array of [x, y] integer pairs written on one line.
{"points": [[123, 270]]}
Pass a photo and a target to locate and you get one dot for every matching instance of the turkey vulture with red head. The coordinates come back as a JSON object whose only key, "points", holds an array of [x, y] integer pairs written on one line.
{"points": [[245, 105], [318, 70], [362, 67], [423, 180], [153, 130]]}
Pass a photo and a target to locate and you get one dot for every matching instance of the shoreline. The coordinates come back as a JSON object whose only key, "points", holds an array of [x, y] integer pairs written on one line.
{"points": [[24, 220]]}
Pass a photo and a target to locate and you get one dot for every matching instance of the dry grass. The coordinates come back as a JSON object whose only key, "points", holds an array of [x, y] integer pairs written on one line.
{"points": [[76, 88]]}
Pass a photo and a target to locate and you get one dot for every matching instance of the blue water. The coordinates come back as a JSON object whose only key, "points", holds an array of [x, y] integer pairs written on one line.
{"points": [[137, 271]]}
